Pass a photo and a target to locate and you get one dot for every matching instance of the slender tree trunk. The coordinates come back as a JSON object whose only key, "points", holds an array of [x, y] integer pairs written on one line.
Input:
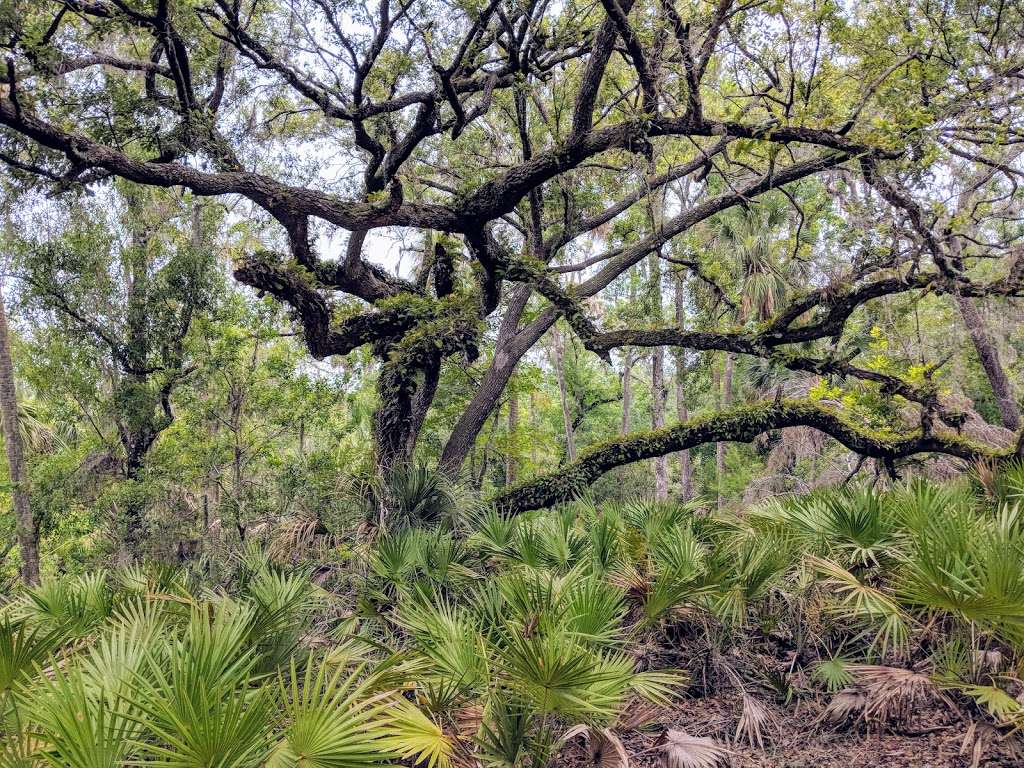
{"points": [[720, 447], [533, 428], [559, 355], [513, 430], [1009, 411], [512, 344], [486, 454], [627, 391], [685, 468], [237, 401], [25, 525], [659, 394]]}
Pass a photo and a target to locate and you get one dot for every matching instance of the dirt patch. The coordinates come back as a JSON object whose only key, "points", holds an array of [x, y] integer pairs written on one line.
{"points": [[797, 740]]}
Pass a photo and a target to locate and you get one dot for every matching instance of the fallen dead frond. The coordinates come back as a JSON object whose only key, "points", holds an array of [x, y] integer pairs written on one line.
{"points": [[681, 750], [756, 720], [604, 746], [643, 713], [892, 694], [845, 706]]}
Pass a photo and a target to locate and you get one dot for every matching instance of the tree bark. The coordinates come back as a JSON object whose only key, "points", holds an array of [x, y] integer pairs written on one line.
{"points": [[720, 446], [659, 394], [25, 524], [512, 432], [558, 346], [682, 414], [627, 392], [510, 347], [1009, 410], [739, 424]]}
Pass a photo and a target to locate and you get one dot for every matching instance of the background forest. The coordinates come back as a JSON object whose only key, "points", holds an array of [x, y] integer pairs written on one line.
{"points": [[155, 392], [511, 383]]}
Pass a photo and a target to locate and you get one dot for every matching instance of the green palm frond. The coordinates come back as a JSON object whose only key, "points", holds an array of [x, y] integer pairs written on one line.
{"points": [[860, 602], [201, 705], [23, 649], [331, 721], [414, 736], [970, 566], [87, 724]]}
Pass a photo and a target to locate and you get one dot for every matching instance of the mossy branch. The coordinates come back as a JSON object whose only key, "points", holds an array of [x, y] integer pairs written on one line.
{"points": [[740, 424]]}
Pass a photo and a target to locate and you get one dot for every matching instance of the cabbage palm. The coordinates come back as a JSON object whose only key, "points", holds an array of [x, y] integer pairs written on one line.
{"points": [[750, 238]]}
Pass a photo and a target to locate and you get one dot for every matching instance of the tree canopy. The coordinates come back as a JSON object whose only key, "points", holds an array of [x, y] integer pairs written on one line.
{"points": [[795, 169]]}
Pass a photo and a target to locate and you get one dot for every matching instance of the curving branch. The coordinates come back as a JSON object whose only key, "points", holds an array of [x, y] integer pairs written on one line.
{"points": [[741, 424]]}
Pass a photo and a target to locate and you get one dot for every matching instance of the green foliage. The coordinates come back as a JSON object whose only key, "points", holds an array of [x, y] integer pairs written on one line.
{"points": [[175, 679]]}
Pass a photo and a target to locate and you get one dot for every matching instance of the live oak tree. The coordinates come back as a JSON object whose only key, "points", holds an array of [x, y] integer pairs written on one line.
{"points": [[123, 280], [507, 139]]}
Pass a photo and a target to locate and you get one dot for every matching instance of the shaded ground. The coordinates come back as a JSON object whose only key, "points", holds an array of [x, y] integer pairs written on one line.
{"points": [[799, 742]]}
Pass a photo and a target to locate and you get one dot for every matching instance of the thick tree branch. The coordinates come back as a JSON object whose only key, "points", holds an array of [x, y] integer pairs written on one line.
{"points": [[741, 424]]}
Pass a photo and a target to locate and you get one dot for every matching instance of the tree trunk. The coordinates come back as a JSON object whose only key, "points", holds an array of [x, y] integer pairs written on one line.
{"points": [[510, 347], [1009, 411], [720, 447], [627, 392], [685, 468], [559, 355], [25, 525], [512, 432], [659, 394], [485, 456]]}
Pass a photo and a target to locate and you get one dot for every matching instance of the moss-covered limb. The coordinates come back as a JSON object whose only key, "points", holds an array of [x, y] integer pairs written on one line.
{"points": [[390, 320], [294, 286], [741, 424], [565, 302]]}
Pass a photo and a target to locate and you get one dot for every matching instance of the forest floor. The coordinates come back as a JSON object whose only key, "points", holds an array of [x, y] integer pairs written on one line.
{"points": [[800, 741]]}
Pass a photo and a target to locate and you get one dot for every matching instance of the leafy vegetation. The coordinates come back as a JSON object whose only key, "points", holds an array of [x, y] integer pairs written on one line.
{"points": [[511, 383], [503, 640]]}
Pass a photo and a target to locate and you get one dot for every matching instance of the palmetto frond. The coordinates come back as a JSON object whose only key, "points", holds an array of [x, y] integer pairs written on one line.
{"points": [[86, 724], [414, 736], [201, 703], [681, 750], [859, 601], [331, 721], [893, 695], [969, 566], [749, 237]]}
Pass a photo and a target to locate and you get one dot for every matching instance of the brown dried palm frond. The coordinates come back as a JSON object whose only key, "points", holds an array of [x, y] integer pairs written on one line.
{"points": [[603, 745], [986, 472], [755, 720], [979, 739], [295, 537], [638, 715], [468, 720], [893, 694], [681, 750], [628, 578], [847, 705]]}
